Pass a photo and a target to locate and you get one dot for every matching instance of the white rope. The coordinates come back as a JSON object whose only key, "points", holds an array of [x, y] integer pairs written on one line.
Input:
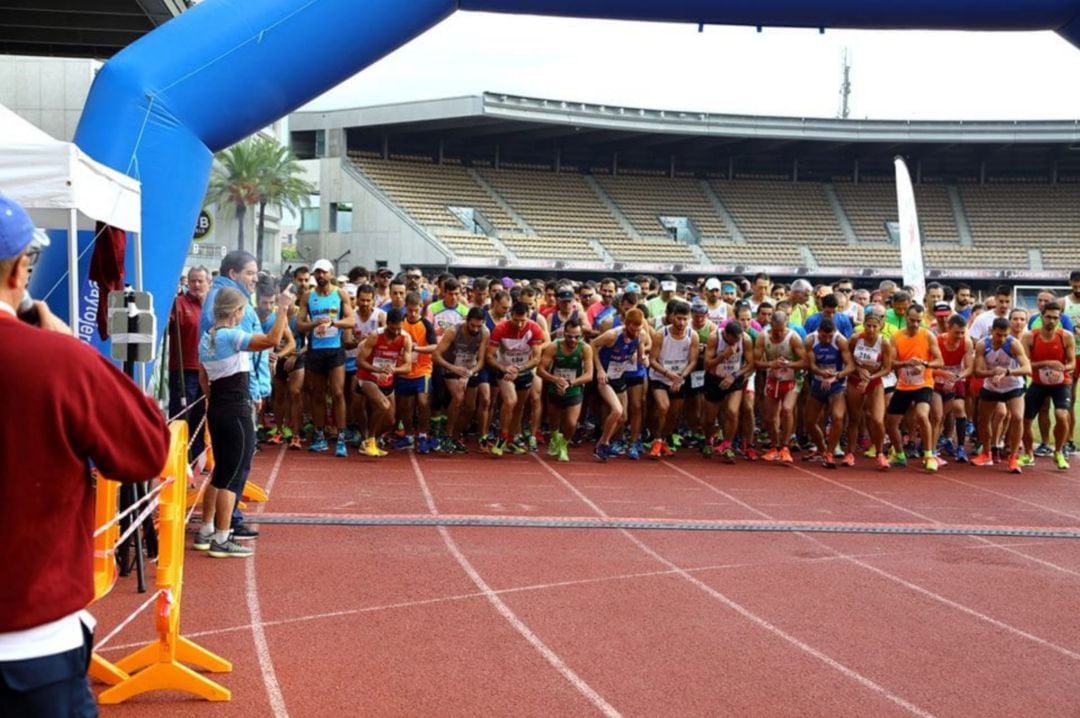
{"points": [[136, 523], [150, 495], [186, 409], [124, 624]]}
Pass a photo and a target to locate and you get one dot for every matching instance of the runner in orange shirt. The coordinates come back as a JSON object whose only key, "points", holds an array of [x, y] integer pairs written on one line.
{"points": [[916, 353]]}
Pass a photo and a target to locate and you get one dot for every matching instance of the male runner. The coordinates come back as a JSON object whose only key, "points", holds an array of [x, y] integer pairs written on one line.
{"points": [[673, 357], [383, 356], [513, 352], [566, 365], [729, 360], [621, 356], [1051, 350], [1001, 361], [916, 356], [461, 353], [780, 352]]}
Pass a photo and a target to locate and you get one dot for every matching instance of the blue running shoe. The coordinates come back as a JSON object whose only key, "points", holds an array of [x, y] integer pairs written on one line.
{"points": [[602, 452], [340, 449], [423, 445], [319, 442], [961, 455], [405, 442], [617, 448], [634, 452], [947, 447]]}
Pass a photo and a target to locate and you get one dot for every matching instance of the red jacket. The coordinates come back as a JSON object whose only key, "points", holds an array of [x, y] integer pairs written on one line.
{"points": [[64, 406]]}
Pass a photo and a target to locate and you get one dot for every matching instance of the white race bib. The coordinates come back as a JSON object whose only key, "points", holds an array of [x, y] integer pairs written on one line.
{"points": [[326, 331], [783, 374], [616, 369], [1051, 376], [517, 359], [464, 359], [913, 375], [565, 373], [383, 363], [697, 379]]}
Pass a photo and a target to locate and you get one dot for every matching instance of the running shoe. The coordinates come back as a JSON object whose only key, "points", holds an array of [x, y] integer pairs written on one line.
{"points": [[771, 455], [242, 532], [970, 428], [828, 462], [707, 449], [554, 443], [294, 443], [531, 442], [930, 463], [340, 449], [864, 442], [200, 542], [371, 448], [617, 448], [498, 447], [1014, 464], [519, 446], [996, 454], [1060, 461], [485, 442], [676, 441], [941, 462], [812, 455], [983, 459], [459, 446], [898, 459], [1026, 460], [947, 447], [1043, 450], [961, 455], [634, 452], [602, 452], [287, 432], [657, 449], [424, 445], [1070, 448], [871, 452], [564, 452], [882, 462], [230, 549], [404, 442], [276, 439], [838, 452], [726, 452], [319, 442], [848, 460], [785, 455], [751, 454]]}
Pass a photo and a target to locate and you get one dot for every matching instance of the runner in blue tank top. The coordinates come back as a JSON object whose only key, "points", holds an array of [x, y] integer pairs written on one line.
{"points": [[621, 358], [829, 364]]}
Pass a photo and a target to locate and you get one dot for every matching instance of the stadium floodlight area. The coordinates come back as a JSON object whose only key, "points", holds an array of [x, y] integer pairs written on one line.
{"points": [[160, 108]]}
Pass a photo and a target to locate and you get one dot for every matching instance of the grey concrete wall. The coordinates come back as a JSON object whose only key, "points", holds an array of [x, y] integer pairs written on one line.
{"points": [[49, 92]]}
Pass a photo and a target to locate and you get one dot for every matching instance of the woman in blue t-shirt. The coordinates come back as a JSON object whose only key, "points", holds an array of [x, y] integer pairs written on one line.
{"points": [[225, 373]]}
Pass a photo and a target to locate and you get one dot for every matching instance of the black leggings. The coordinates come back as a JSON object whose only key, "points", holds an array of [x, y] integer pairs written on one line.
{"points": [[233, 440]]}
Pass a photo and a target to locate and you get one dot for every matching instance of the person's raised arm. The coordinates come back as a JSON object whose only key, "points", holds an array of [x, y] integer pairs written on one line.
{"points": [[272, 338]]}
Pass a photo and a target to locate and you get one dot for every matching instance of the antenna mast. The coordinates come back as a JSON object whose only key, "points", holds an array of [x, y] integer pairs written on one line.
{"points": [[845, 84]]}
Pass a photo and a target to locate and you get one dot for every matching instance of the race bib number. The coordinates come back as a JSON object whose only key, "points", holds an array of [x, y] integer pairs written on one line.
{"points": [[888, 381], [565, 373], [326, 331], [464, 359], [784, 374], [913, 375], [383, 363], [517, 359], [616, 369], [1051, 376], [697, 379], [675, 366], [866, 357]]}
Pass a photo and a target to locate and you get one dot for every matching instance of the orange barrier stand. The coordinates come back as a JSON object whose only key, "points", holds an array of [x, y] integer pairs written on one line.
{"points": [[159, 665]]}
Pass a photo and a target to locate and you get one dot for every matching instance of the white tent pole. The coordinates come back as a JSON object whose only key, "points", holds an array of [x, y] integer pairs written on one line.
{"points": [[138, 288], [73, 272]]}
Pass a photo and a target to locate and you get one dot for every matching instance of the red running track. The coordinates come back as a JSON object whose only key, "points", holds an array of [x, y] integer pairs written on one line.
{"points": [[350, 620]]}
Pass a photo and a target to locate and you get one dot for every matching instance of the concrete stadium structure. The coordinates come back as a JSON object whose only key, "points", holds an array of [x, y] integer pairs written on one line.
{"points": [[525, 183]]}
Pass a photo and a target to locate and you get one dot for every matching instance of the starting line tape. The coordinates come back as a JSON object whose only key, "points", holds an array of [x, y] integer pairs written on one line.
{"points": [[297, 519]]}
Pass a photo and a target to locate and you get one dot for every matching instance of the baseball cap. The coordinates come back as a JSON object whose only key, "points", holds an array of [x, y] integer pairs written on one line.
{"points": [[668, 286], [728, 287], [565, 294], [16, 228], [942, 309], [632, 288], [342, 279], [385, 272], [712, 283], [323, 265], [507, 282]]}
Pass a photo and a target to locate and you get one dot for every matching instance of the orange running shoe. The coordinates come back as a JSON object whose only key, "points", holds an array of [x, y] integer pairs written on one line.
{"points": [[1014, 464], [983, 459], [848, 460], [771, 455], [276, 439], [882, 461], [656, 449], [785, 455], [294, 442]]}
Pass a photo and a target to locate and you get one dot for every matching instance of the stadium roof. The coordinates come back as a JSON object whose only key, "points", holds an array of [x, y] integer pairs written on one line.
{"points": [[80, 28], [503, 118]]}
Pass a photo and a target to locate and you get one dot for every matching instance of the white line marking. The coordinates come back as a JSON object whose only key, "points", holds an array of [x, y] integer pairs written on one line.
{"points": [[1013, 498], [747, 613], [251, 591], [506, 612], [897, 579]]}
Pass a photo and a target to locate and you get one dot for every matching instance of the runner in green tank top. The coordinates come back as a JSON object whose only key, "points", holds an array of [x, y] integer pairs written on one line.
{"points": [[566, 366]]}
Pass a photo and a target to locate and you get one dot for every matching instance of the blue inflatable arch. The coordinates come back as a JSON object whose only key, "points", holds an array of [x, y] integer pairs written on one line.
{"points": [[224, 69]]}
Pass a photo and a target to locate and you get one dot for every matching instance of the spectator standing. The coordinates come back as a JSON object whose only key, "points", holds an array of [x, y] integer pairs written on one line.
{"points": [[184, 389], [93, 414]]}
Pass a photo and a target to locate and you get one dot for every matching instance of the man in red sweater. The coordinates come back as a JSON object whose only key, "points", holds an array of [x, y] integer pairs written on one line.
{"points": [[184, 336], [69, 408]]}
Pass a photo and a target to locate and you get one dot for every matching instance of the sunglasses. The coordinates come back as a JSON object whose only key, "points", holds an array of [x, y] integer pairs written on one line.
{"points": [[33, 254], [845, 290]]}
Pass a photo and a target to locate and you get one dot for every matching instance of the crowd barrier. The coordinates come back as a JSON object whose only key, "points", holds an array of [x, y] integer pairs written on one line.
{"points": [[163, 663]]}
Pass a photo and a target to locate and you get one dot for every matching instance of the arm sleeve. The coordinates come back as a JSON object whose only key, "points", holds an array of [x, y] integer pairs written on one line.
{"points": [[112, 422]]}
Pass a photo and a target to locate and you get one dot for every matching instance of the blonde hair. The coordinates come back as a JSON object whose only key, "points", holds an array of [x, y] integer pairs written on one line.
{"points": [[226, 302]]}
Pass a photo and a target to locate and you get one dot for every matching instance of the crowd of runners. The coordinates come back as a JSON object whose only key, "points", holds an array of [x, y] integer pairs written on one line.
{"points": [[645, 367]]}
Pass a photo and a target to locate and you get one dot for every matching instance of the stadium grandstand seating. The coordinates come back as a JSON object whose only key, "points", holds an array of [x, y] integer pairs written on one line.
{"points": [[467, 244], [780, 220], [643, 200], [795, 212], [426, 190], [869, 205]]}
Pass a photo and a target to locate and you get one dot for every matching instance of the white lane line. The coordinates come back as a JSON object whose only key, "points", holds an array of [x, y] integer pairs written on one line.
{"points": [[980, 539], [899, 580], [1013, 498], [746, 613], [506, 612], [251, 591]]}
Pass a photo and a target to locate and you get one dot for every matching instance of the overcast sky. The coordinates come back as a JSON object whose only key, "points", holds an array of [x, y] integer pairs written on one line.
{"points": [[895, 75]]}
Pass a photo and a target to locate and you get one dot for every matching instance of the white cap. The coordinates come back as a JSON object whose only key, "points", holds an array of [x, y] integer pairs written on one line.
{"points": [[668, 286], [713, 283], [349, 288], [323, 265]]}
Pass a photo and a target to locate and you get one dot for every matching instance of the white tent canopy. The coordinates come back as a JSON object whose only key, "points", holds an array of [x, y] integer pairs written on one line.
{"points": [[50, 177]]}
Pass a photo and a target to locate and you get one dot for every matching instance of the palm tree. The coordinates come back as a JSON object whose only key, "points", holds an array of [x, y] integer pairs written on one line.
{"points": [[234, 182], [256, 171], [280, 184]]}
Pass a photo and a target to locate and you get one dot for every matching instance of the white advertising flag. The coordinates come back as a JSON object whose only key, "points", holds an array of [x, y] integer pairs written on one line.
{"points": [[911, 259]]}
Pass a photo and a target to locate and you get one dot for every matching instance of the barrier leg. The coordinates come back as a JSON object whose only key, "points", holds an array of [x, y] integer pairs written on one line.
{"points": [[165, 676], [108, 673], [190, 652], [254, 492]]}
